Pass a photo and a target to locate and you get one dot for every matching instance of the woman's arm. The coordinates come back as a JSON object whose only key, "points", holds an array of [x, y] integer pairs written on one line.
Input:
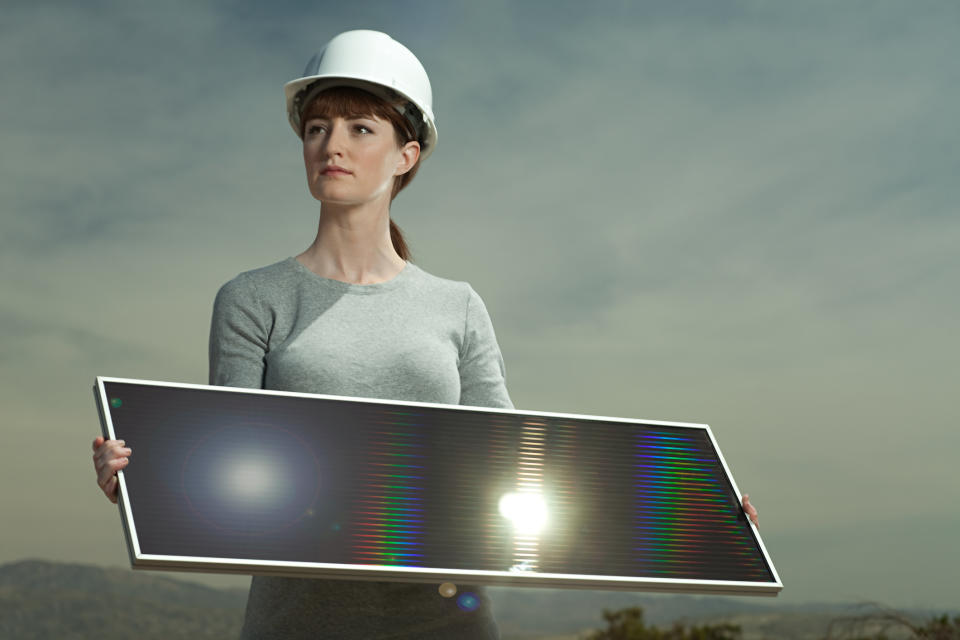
{"points": [[482, 372], [239, 336]]}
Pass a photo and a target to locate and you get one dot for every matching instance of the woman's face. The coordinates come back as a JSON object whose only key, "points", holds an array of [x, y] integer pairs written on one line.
{"points": [[353, 160]]}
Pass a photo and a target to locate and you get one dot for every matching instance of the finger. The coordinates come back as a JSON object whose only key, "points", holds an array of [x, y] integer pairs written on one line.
{"points": [[116, 464], [112, 489], [110, 450], [109, 471], [109, 459], [750, 510], [100, 449], [104, 477]]}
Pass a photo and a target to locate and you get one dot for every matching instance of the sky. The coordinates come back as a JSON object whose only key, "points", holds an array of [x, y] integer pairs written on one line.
{"points": [[743, 214]]}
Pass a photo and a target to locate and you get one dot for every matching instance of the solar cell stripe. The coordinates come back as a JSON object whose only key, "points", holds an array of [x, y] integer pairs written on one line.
{"points": [[391, 464], [678, 509], [386, 526], [398, 542], [388, 506], [681, 496], [654, 496], [691, 547], [660, 447], [662, 437], [712, 523], [683, 482], [396, 487], [679, 458], [679, 472], [377, 517], [705, 538], [682, 488]]}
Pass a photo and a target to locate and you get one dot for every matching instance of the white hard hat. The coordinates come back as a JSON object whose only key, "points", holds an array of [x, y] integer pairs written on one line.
{"points": [[373, 61]]}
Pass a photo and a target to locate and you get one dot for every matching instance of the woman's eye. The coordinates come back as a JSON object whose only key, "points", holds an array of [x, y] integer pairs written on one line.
{"points": [[363, 129], [314, 129]]}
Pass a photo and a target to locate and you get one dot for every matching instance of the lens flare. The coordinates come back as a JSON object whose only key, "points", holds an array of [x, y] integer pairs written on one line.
{"points": [[468, 601]]}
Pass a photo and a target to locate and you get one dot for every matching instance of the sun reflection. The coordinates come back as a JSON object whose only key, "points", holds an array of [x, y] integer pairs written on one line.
{"points": [[251, 479], [527, 511]]}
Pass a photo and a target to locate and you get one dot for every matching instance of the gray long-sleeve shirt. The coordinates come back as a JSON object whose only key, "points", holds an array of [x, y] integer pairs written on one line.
{"points": [[416, 337]]}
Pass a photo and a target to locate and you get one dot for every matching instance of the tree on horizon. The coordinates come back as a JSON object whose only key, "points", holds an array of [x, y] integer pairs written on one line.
{"points": [[628, 624]]}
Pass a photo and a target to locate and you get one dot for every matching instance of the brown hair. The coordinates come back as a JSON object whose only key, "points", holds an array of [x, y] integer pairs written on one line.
{"points": [[351, 102]]}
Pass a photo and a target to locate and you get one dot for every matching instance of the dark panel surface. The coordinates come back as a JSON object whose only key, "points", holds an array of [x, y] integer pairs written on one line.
{"points": [[248, 475]]}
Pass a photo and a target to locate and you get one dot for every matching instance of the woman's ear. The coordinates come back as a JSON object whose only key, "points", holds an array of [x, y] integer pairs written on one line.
{"points": [[409, 154]]}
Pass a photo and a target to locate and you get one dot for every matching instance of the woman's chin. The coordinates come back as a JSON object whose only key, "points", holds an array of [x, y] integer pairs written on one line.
{"points": [[340, 197]]}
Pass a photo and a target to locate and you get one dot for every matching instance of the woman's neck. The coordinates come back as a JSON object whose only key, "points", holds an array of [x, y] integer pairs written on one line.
{"points": [[353, 245]]}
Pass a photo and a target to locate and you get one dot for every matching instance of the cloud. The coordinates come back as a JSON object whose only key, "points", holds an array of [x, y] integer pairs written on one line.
{"points": [[743, 214], [697, 169]]}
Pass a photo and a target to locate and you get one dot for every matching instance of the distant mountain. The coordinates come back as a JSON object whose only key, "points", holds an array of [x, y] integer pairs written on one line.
{"points": [[40, 599], [560, 614]]}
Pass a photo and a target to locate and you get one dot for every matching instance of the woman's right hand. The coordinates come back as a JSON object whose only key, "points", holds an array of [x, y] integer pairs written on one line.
{"points": [[109, 456]]}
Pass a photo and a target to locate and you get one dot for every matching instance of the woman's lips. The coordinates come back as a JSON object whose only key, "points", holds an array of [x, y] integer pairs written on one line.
{"points": [[336, 171]]}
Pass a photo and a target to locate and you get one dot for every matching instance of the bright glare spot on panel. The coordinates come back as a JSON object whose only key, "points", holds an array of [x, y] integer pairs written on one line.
{"points": [[251, 479], [527, 511]]}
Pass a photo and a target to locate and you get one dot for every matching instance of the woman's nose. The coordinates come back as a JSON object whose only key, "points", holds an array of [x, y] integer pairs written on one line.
{"points": [[337, 138]]}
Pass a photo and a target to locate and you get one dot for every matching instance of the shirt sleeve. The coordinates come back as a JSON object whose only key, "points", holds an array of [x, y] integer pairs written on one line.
{"points": [[238, 336], [482, 372]]}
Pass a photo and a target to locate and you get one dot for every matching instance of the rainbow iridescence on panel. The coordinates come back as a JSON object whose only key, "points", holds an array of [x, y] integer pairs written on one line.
{"points": [[388, 527], [683, 519]]}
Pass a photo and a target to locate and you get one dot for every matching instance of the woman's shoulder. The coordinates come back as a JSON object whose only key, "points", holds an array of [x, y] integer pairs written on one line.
{"points": [[443, 287], [251, 282], [261, 276], [279, 270]]}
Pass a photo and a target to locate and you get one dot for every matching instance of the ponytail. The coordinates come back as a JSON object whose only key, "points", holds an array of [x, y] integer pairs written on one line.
{"points": [[399, 243]]}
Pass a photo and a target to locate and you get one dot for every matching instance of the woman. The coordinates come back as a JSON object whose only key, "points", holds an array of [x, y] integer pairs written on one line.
{"points": [[352, 316]]}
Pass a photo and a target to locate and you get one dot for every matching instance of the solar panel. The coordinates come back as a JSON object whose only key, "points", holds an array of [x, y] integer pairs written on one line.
{"points": [[265, 482]]}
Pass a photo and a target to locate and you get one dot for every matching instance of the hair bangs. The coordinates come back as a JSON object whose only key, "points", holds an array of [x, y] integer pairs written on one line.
{"points": [[347, 102]]}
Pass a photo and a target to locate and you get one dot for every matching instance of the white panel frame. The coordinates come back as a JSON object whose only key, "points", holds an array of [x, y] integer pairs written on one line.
{"points": [[139, 560]]}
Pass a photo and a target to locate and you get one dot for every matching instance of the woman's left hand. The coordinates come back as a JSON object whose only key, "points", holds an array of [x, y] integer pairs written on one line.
{"points": [[751, 510]]}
